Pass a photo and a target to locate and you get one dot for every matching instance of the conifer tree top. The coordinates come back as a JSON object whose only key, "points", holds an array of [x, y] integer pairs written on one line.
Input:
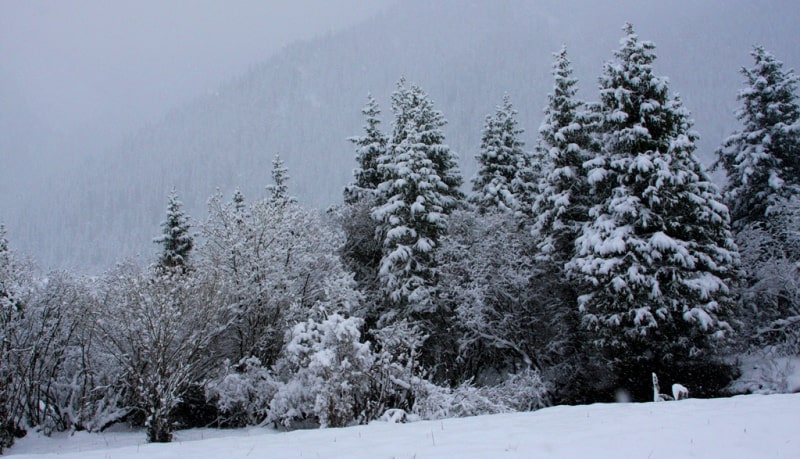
{"points": [[562, 105], [633, 99], [499, 162], [370, 148], [657, 254], [280, 175], [418, 192], [762, 160], [561, 205], [176, 241], [3, 240]]}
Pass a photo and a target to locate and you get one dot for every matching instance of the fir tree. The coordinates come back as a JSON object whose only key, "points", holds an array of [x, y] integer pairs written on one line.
{"points": [[3, 240], [279, 190], [421, 187], [369, 149], [763, 159], [6, 313], [562, 206], [176, 240], [500, 161], [762, 162], [362, 251], [657, 257], [239, 205]]}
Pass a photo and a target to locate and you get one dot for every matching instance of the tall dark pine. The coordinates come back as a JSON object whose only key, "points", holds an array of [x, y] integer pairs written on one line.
{"points": [[762, 162], [562, 205], [279, 190], [370, 148], [362, 251], [176, 240], [4, 263], [6, 424], [420, 188], [657, 256], [763, 159], [500, 162]]}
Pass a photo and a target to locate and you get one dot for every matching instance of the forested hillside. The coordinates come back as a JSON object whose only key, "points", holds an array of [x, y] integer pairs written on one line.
{"points": [[304, 102]]}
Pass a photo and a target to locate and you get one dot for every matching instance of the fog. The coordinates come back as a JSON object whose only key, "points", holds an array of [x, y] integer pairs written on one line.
{"points": [[78, 62], [87, 72], [105, 106]]}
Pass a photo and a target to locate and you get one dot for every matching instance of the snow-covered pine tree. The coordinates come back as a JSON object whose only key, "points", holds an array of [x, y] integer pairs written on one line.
{"points": [[279, 190], [370, 147], [3, 240], [560, 203], [657, 256], [176, 240], [362, 251], [6, 313], [762, 160], [499, 162], [5, 265], [239, 206], [564, 144], [420, 188]]}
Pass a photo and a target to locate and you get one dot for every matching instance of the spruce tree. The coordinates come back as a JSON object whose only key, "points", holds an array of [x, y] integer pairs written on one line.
{"points": [[362, 250], [176, 240], [239, 205], [500, 162], [6, 314], [762, 160], [420, 188], [656, 258], [565, 140], [370, 147], [3, 240], [279, 190]]}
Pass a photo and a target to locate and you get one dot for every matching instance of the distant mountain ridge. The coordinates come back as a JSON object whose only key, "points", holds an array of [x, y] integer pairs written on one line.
{"points": [[304, 102]]}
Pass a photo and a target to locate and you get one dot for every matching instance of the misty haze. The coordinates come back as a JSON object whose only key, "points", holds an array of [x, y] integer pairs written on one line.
{"points": [[105, 109]]}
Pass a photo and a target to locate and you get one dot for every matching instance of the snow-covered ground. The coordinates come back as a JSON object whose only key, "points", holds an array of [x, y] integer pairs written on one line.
{"points": [[751, 426]]}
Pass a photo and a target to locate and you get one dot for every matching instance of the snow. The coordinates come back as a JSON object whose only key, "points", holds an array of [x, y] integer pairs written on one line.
{"points": [[768, 374], [763, 426]]}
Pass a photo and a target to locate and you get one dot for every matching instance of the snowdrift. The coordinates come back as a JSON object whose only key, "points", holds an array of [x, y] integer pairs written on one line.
{"points": [[751, 426]]}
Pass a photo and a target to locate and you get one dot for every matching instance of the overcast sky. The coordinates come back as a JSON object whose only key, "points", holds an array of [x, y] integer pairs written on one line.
{"points": [[73, 63]]}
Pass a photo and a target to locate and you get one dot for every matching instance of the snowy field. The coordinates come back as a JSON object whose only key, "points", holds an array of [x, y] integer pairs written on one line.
{"points": [[752, 426]]}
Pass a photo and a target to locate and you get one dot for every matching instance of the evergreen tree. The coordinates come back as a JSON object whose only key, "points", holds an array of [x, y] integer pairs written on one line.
{"points": [[3, 240], [6, 313], [763, 159], [562, 206], [762, 162], [421, 187], [239, 206], [362, 251], [369, 149], [280, 175], [500, 162], [657, 257], [176, 240], [561, 202]]}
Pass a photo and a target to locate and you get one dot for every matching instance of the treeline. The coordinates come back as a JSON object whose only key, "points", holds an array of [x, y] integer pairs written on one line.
{"points": [[569, 274]]}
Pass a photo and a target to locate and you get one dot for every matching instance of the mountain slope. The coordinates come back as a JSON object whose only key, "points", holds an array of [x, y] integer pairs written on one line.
{"points": [[306, 101]]}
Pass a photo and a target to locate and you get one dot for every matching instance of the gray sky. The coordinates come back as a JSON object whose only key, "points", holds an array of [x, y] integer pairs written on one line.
{"points": [[78, 64]]}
